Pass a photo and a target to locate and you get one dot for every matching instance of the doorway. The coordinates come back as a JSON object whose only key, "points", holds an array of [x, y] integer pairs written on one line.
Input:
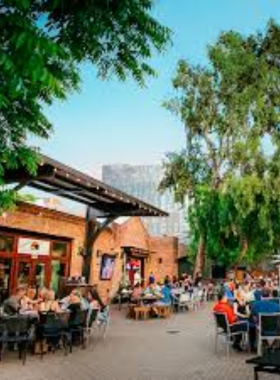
{"points": [[32, 272]]}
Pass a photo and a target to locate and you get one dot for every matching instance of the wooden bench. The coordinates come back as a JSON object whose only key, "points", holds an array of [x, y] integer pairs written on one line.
{"points": [[163, 311], [141, 312]]}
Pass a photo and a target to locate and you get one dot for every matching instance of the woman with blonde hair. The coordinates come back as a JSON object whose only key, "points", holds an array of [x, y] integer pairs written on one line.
{"points": [[240, 306], [49, 302]]}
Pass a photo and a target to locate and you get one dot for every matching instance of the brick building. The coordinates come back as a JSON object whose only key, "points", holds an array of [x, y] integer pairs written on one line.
{"points": [[38, 246]]}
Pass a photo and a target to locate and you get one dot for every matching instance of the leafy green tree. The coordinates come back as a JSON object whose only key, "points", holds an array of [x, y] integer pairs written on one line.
{"points": [[230, 110], [205, 163], [43, 42]]}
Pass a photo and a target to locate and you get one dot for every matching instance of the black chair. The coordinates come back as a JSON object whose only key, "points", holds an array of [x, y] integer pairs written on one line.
{"points": [[224, 328], [269, 329], [52, 329], [77, 327], [16, 330]]}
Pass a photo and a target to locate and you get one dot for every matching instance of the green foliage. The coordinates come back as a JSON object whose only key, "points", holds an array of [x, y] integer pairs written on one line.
{"points": [[42, 44], [230, 111]]}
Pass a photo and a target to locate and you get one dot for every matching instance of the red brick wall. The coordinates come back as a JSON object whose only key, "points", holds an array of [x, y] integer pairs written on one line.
{"points": [[41, 220], [164, 259], [131, 233]]}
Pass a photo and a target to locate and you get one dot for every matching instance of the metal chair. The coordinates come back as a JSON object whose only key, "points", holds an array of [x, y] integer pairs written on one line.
{"points": [[16, 330], [90, 324], [77, 326], [227, 330], [52, 329], [181, 301], [103, 320], [268, 329], [197, 298]]}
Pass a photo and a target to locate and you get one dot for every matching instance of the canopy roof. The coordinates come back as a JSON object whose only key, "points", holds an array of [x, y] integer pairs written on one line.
{"points": [[62, 180]]}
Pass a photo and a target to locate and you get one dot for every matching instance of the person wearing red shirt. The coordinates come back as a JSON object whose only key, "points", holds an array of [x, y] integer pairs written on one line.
{"points": [[223, 306]]}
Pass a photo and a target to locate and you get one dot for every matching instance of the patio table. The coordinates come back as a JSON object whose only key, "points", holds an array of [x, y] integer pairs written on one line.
{"points": [[149, 299], [268, 363]]}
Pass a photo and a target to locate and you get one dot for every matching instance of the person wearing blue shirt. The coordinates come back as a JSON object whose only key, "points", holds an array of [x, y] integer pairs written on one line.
{"points": [[166, 294], [151, 278], [259, 291], [264, 306], [228, 293]]}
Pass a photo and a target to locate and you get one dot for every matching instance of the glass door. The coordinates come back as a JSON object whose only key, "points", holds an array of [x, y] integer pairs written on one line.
{"points": [[39, 277], [23, 272], [58, 271], [32, 272]]}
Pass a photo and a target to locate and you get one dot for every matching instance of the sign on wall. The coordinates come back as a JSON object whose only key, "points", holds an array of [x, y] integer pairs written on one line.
{"points": [[33, 247], [107, 267]]}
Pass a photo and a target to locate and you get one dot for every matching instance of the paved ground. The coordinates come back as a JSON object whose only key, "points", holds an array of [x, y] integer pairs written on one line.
{"points": [[180, 348]]}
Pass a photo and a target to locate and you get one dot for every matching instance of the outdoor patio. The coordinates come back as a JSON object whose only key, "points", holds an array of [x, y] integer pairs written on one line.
{"points": [[178, 348]]}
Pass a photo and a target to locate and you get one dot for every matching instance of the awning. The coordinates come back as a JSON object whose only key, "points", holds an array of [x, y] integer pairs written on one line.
{"points": [[104, 201], [137, 252]]}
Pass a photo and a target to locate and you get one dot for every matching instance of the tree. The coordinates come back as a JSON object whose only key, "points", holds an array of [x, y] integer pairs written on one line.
{"points": [[228, 109], [211, 132], [43, 42]]}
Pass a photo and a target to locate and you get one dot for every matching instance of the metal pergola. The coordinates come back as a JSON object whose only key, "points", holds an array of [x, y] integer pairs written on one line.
{"points": [[102, 201]]}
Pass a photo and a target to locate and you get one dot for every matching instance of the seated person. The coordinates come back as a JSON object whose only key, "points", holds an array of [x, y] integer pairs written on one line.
{"points": [[49, 302], [94, 300], [223, 306], [98, 307], [136, 293], [152, 290], [75, 297], [29, 302], [166, 294], [12, 305], [259, 290], [240, 307], [229, 293], [264, 306]]}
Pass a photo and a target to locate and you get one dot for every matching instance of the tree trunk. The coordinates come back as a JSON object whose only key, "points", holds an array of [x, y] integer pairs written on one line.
{"points": [[243, 252], [200, 257]]}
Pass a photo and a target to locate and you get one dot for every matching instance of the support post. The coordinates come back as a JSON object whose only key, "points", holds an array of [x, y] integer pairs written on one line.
{"points": [[93, 230]]}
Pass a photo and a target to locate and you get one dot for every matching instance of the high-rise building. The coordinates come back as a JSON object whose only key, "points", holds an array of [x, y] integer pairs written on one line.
{"points": [[142, 181]]}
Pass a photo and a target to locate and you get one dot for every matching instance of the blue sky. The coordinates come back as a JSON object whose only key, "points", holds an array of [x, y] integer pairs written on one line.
{"points": [[113, 122]]}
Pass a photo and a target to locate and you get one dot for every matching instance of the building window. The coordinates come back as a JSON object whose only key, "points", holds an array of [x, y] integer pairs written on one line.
{"points": [[59, 249], [6, 244]]}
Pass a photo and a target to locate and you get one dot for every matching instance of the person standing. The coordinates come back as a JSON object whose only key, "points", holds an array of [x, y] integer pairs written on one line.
{"points": [[151, 278], [137, 277]]}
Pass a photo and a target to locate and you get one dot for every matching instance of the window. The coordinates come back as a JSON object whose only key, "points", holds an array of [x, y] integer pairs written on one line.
{"points": [[59, 249], [5, 277], [6, 244]]}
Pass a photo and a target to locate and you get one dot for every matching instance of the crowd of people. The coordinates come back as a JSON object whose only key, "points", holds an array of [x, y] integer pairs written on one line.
{"points": [[166, 290], [244, 302], [32, 302]]}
